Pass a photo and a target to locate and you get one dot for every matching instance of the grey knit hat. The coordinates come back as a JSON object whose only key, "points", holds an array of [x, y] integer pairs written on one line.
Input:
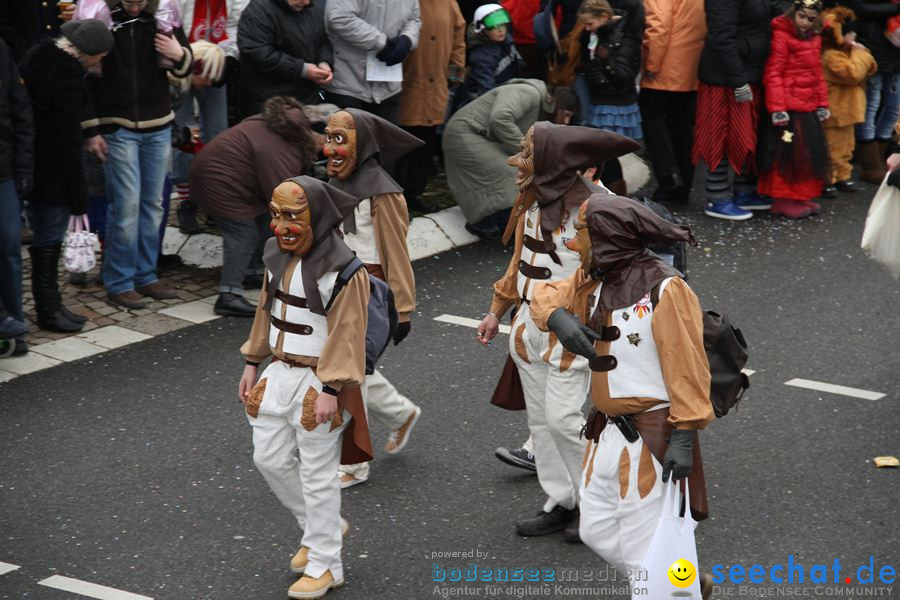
{"points": [[90, 36]]}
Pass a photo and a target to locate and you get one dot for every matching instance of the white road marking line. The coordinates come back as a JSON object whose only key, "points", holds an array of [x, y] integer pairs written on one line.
{"points": [[473, 323], [835, 389], [91, 590], [7, 568]]}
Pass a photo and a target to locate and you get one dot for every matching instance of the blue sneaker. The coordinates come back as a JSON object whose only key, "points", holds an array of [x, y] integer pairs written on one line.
{"points": [[12, 328], [752, 201], [727, 209]]}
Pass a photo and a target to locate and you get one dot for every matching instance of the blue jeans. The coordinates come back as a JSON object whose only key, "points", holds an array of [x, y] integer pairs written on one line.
{"points": [[11, 250], [583, 93], [135, 172], [49, 223], [882, 107], [213, 103]]}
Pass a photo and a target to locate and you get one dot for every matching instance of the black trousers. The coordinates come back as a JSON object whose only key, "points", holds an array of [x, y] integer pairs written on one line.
{"points": [[387, 109], [668, 124], [413, 170]]}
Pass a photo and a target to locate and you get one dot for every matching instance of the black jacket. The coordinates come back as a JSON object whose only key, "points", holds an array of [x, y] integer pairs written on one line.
{"points": [[873, 16], [55, 83], [133, 91], [17, 137], [490, 64], [276, 42], [617, 59], [24, 22], [737, 41]]}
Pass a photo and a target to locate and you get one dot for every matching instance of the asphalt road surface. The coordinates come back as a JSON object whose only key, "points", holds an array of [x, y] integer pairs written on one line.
{"points": [[132, 470]]}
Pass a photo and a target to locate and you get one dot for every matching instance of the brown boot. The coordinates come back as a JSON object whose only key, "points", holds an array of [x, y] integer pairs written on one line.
{"points": [[873, 167]]}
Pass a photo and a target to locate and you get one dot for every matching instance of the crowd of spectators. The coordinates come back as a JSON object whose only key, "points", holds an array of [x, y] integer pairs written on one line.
{"points": [[117, 108]]}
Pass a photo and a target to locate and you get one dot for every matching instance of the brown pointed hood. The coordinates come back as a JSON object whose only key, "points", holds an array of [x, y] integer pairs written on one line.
{"points": [[620, 228], [328, 207], [378, 142], [560, 151]]}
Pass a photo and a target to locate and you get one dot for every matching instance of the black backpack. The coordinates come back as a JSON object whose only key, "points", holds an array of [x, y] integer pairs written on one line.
{"points": [[675, 253], [382, 319], [726, 351]]}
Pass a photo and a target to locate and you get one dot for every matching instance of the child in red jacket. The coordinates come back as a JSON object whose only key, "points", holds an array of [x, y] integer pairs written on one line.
{"points": [[793, 154]]}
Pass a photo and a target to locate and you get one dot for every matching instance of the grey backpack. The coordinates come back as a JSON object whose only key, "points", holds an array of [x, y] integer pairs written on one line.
{"points": [[382, 319]]}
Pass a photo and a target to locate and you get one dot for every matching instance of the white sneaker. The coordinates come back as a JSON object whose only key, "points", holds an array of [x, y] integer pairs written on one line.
{"points": [[349, 479]]}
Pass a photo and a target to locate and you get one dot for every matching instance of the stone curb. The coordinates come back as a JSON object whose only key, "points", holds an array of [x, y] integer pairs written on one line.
{"points": [[428, 235]]}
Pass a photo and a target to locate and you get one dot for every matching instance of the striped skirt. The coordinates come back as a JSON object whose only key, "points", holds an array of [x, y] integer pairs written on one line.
{"points": [[726, 128]]}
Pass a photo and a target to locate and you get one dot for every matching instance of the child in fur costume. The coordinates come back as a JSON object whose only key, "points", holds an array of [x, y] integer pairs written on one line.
{"points": [[847, 67], [792, 152]]}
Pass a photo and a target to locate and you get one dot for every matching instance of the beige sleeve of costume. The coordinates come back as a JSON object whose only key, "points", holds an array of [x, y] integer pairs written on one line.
{"points": [[256, 348], [678, 332], [343, 359], [550, 295], [505, 293], [391, 222]]}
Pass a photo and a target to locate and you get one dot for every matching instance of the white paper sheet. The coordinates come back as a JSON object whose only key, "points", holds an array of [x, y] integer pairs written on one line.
{"points": [[379, 71]]}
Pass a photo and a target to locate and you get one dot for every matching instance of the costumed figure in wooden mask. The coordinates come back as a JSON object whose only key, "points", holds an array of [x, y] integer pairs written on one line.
{"points": [[554, 380], [641, 327], [357, 144], [309, 394]]}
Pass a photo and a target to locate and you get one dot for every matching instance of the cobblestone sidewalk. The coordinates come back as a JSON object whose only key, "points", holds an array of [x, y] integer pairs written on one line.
{"points": [[111, 326]]}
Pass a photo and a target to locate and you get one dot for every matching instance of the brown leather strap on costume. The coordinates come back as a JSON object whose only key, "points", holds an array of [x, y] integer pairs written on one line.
{"points": [[376, 271], [523, 202], [609, 334], [538, 246], [533, 272], [294, 328], [290, 300], [603, 362]]}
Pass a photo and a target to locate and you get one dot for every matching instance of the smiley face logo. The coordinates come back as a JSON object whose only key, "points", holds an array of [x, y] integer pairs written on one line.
{"points": [[682, 573]]}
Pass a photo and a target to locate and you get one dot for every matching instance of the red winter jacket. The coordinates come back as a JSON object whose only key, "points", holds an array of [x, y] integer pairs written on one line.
{"points": [[522, 14], [793, 77]]}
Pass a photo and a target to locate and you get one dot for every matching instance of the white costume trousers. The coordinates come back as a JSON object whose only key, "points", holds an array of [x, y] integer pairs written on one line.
{"points": [[621, 499], [555, 391], [308, 487]]}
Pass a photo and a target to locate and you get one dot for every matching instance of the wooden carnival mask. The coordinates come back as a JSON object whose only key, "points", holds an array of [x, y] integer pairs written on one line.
{"points": [[581, 243], [291, 219], [524, 161], [340, 145]]}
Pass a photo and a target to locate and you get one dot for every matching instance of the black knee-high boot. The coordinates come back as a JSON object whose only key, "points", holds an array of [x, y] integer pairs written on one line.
{"points": [[45, 288]]}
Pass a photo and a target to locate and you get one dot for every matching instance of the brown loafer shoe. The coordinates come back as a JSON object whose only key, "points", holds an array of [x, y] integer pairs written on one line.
{"points": [[157, 290], [129, 299]]}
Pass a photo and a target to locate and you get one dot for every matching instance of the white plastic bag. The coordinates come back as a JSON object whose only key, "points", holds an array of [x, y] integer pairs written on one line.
{"points": [[673, 541], [78, 253], [881, 236]]}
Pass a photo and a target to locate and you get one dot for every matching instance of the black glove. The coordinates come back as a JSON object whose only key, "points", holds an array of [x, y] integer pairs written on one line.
{"points": [[679, 456], [23, 187], [401, 332], [395, 50], [894, 178], [574, 335]]}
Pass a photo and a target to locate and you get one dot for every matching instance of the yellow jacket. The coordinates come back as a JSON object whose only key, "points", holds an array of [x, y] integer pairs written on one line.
{"points": [[846, 74]]}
